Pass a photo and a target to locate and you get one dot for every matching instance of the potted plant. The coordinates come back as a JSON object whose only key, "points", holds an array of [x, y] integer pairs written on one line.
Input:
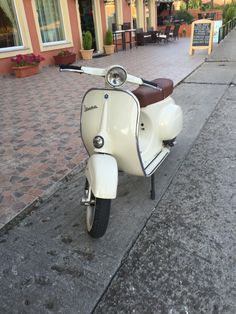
{"points": [[26, 65], [65, 57], [109, 47], [87, 52], [184, 32]]}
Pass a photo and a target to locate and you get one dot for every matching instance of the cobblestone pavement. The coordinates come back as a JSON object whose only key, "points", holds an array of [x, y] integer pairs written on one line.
{"points": [[39, 118]]}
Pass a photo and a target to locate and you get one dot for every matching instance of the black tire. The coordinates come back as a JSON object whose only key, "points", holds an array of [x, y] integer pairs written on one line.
{"points": [[98, 217]]}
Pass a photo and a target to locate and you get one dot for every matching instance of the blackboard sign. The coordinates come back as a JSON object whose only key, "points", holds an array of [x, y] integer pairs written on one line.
{"points": [[201, 34]]}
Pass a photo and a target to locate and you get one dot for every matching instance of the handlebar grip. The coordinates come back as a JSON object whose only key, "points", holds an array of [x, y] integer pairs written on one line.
{"points": [[145, 82], [150, 83], [69, 67]]}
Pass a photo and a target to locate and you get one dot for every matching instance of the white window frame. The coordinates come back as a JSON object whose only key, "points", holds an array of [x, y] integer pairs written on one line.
{"points": [[68, 42], [24, 33]]}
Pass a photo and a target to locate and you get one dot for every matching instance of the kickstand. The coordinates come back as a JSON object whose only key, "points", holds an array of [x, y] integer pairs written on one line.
{"points": [[153, 194]]}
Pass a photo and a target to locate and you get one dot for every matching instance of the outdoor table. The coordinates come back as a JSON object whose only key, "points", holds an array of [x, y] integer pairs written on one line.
{"points": [[123, 37]]}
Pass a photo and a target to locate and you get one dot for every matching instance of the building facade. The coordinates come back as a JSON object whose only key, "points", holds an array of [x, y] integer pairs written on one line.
{"points": [[46, 27]]}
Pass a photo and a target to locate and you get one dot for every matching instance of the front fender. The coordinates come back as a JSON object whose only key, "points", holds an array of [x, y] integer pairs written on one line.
{"points": [[102, 174]]}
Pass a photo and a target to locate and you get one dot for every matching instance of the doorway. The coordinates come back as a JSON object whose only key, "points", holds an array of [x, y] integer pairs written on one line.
{"points": [[87, 19]]}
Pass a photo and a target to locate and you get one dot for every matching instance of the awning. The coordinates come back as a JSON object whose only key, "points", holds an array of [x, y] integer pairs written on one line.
{"points": [[164, 1]]}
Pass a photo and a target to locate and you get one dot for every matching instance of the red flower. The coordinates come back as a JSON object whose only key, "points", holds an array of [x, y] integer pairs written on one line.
{"points": [[29, 59]]}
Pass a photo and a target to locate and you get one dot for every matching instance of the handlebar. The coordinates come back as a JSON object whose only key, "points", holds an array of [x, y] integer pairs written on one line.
{"points": [[71, 68], [102, 72], [81, 69]]}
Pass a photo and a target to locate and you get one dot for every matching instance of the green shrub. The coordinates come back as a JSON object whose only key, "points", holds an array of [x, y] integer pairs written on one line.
{"points": [[185, 16], [108, 38], [87, 40], [224, 11], [206, 6], [226, 7], [194, 4], [230, 13], [218, 7], [183, 6]]}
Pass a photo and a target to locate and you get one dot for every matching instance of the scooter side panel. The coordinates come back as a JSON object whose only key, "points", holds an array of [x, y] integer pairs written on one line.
{"points": [[158, 122], [168, 118], [120, 130]]}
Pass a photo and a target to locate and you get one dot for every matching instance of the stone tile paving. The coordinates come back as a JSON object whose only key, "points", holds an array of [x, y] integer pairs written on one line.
{"points": [[40, 116]]}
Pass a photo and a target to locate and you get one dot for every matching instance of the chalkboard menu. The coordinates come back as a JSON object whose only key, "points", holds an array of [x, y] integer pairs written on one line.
{"points": [[201, 34]]}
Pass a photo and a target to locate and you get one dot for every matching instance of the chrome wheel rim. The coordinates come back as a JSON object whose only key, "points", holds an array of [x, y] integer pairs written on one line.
{"points": [[90, 216], [90, 209]]}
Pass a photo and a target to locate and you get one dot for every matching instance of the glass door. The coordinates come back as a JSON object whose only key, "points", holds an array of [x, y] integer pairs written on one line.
{"points": [[86, 18]]}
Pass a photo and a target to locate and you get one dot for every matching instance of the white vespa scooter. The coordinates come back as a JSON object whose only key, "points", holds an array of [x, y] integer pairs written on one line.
{"points": [[123, 130]]}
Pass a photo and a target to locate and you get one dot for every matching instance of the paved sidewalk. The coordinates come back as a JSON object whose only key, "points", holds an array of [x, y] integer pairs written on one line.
{"points": [[183, 261], [176, 254], [39, 134]]}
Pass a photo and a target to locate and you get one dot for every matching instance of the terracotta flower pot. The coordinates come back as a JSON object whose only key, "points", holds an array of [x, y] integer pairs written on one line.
{"points": [[25, 71], [109, 49], [65, 59], [87, 54]]}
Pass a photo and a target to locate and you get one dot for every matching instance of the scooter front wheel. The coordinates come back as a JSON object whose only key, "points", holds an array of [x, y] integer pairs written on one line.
{"points": [[98, 213]]}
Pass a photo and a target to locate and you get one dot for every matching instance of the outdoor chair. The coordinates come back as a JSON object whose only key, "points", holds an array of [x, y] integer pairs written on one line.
{"points": [[139, 37], [199, 16], [142, 37], [212, 16], [126, 26], [154, 37], [116, 27], [147, 37], [166, 35], [158, 38], [175, 33], [113, 26], [151, 35]]}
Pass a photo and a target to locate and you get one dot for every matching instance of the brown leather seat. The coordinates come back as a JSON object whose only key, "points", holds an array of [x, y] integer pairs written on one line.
{"points": [[148, 96]]}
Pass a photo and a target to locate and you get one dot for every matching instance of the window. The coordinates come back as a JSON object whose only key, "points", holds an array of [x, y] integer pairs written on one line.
{"points": [[50, 21], [10, 35], [52, 24], [111, 14]]}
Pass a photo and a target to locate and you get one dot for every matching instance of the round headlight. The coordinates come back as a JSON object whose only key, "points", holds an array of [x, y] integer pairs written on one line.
{"points": [[98, 141], [116, 76]]}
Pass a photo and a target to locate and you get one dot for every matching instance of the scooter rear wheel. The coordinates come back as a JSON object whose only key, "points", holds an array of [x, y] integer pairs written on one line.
{"points": [[98, 213]]}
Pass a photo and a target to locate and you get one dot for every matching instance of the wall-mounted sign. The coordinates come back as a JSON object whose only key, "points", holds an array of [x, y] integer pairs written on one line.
{"points": [[201, 36]]}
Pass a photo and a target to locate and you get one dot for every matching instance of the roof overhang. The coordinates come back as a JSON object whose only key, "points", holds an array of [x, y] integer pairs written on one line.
{"points": [[164, 1]]}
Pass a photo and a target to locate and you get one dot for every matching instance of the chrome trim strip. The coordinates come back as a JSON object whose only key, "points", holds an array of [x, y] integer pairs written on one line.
{"points": [[161, 161]]}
